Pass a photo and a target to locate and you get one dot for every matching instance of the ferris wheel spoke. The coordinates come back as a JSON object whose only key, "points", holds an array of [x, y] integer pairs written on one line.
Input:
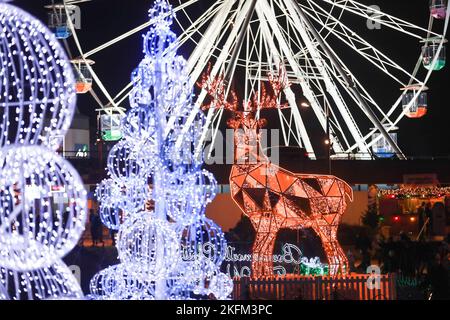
{"points": [[360, 45], [348, 82], [367, 97], [181, 40], [372, 14], [199, 58], [330, 85], [363, 92], [304, 78], [195, 27], [136, 30], [393, 124], [299, 74]]}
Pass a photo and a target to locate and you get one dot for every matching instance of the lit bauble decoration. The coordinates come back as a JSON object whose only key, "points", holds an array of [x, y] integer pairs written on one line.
{"points": [[203, 240], [129, 199], [221, 285], [125, 162], [118, 283], [139, 124], [204, 187], [51, 283], [188, 193], [111, 216], [42, 207], [37, 91], [142, 239], [107, 191], [133, 196]]}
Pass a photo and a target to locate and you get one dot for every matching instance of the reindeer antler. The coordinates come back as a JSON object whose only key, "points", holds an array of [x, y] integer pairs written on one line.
{"points": [[217, 91], [278, 84]]}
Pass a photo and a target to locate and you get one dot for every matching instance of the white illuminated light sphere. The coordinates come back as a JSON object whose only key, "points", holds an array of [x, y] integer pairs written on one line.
{"points": [[221, 286], [37, 90], [138, 124], [55, 282], [203, 240], [187, 195], [107, 191], [126, 163], [42, 207], [111, 216], [109, 283], [144, 238], [133, 197]]}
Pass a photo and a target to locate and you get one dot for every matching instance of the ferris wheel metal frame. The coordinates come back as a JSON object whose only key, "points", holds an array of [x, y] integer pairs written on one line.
{"points": [[234, 32]]}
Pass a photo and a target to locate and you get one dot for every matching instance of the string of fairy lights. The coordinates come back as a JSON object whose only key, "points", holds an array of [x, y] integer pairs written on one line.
{"points": [[420, 192]]}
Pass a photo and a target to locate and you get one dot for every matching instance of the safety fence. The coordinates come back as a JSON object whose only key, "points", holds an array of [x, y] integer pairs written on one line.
{"points": [[293, 287]]}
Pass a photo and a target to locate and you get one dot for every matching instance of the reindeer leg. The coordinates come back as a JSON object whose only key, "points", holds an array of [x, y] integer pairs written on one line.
{"points": [[337, 260], [262, 262]]}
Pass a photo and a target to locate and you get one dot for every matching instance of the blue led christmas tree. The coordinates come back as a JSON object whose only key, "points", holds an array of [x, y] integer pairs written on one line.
{"points": [[157, 193]]}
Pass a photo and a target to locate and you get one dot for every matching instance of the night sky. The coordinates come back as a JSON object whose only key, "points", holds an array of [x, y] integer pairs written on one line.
{"points": [[103, 20]]}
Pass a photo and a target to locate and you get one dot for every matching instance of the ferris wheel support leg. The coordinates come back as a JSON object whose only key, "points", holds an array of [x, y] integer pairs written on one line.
{"points": [[370, 114]]}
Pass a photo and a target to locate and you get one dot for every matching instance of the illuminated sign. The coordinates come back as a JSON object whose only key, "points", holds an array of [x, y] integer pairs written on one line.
{"points": [[290, 260]]}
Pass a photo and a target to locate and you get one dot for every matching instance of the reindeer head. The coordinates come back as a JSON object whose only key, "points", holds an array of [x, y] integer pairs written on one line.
{"points": [[244, 122]]}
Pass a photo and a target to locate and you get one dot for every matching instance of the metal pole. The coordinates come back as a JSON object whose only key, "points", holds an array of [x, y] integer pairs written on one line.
{"points": [[239, 42], [351, 85]]}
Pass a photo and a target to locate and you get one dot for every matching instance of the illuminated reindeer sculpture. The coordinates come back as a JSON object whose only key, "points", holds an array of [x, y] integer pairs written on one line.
{"points": [[272, 197]]}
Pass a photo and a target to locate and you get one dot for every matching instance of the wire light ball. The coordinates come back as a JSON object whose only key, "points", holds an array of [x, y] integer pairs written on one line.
{"points": [[133, 196], [203, 240], [111, 216], [130, 196], [125, 162], [107, 191], [50, 283], [204, 187], [117, 282], [37, 89], [188, 193], [139, 124], [38, 227], [221, 286], [142, 239]]}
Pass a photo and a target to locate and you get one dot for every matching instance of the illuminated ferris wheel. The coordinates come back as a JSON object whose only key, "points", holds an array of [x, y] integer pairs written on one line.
{"points": [[320, 44]]}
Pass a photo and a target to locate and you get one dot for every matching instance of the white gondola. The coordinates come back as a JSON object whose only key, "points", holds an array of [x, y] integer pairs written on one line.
{"points": [[430, 50], [381, 147], [110, 124]]}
